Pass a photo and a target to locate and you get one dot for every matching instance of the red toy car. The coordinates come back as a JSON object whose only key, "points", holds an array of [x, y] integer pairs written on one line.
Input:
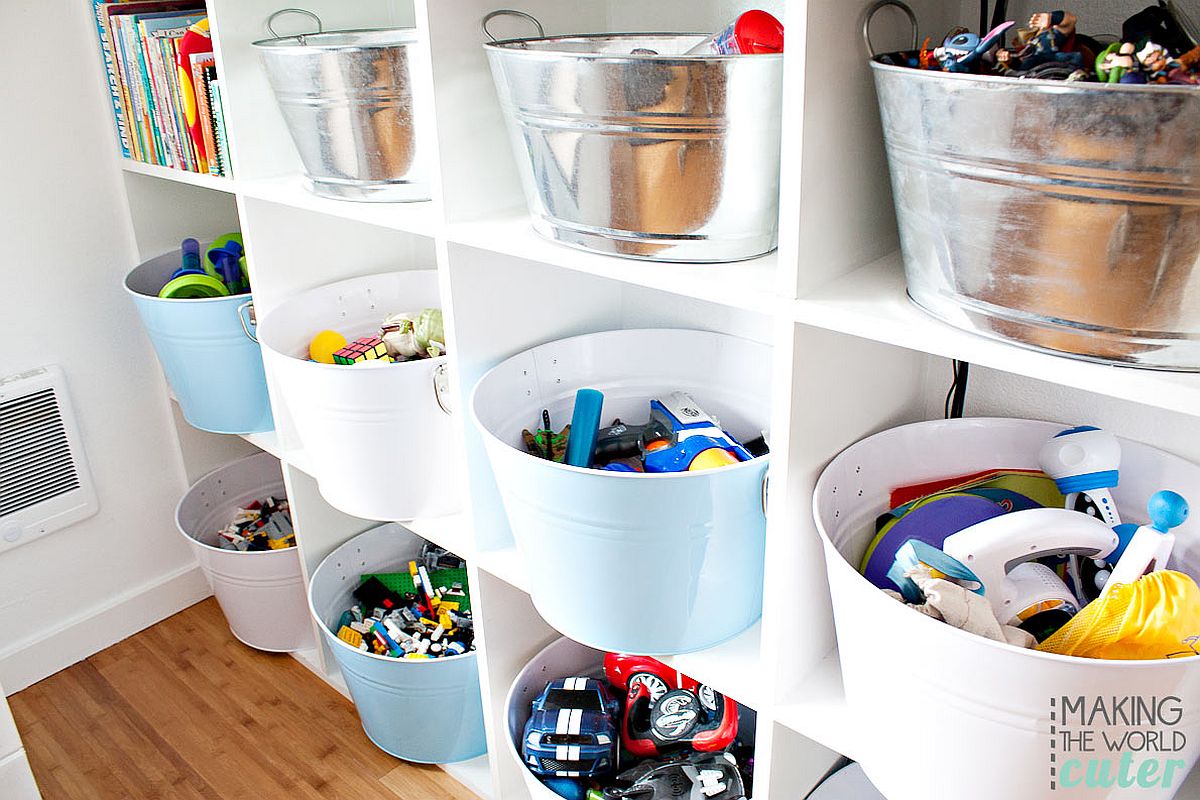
{"points": [[667, 710]]}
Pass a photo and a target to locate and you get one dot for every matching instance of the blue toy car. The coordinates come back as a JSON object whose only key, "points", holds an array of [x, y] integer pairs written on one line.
{"points": [[572, 730]]}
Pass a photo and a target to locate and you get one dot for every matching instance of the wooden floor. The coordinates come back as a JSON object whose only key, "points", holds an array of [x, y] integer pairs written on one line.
{"points": [[183, 710]]}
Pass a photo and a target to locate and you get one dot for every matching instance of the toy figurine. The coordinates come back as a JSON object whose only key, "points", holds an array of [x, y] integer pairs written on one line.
{"points": [[1156, 64], [409, 336], [1188, 69], [960, 51], [1052, 40], [1114, 62]]}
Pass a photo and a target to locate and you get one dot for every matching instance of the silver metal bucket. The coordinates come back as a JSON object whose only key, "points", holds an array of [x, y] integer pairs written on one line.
{"points": [[668, 157], [1062, 216], [347, 100]]}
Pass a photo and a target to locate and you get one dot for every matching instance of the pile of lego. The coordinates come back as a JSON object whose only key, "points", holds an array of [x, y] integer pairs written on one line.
{"points": [[423, 612], [1042, 558], [642, 731], [405, 336], [1155, 47], [262, 525], [679, 436]]}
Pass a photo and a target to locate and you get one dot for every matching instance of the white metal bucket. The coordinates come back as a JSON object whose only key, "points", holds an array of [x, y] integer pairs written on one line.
{"points": [[969, 716], [687, 548], [379, 436], [562, 658], [428, 711], [261, 593]]}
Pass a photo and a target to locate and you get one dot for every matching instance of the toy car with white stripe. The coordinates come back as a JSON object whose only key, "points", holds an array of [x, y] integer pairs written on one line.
{"points": [[572, 729]]}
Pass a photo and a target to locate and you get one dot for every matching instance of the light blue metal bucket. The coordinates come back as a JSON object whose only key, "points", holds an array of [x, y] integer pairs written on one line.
{"points": [[648, 564], [428, 711], [213, 366]]}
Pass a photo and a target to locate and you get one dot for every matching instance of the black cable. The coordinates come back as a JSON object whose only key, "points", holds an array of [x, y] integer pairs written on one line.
{"points": [[956, 396], [983, 17], [958, 401], [999, 14], [951, 390]]}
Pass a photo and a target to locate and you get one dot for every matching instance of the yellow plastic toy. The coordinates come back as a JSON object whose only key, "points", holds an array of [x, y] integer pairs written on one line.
{"points": [[324, 345], [1156, 616]]}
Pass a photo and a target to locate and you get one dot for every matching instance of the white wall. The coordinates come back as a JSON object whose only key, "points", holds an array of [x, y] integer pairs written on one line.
{"points": [[1096, 17], [68, 246]]}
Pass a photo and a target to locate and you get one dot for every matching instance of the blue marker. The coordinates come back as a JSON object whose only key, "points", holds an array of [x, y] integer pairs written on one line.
{"points": [[585, 425], [227, 259]]}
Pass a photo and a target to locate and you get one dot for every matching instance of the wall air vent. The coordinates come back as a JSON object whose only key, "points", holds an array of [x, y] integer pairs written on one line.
{"points": [[44, 480]]}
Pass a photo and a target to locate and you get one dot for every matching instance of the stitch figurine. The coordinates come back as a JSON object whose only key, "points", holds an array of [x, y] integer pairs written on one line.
{"points": [[960, 51]]}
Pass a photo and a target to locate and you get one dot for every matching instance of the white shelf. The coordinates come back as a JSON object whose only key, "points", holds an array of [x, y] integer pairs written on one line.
{"points": [[452, 532], [750, 285], [730, 667], [204, 180], [291, 190], [871, 303], [268, 441], [475, 774], [505, 564], [820, 713]]}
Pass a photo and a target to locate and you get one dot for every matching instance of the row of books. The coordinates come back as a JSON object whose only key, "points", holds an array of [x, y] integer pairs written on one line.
{"points": [[166, 96]]}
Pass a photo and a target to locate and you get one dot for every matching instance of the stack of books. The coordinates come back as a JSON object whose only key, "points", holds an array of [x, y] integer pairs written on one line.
{"points": [[163, 79]]}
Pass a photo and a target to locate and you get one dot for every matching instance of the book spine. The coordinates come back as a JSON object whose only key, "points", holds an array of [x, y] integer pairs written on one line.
{"points": [[162, 144], [167, 88], [219, 126], [131, 84], [110, 69], [204, 113], [137, 89]]}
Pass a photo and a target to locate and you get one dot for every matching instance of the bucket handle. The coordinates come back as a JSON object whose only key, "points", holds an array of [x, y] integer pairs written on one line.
{"points": [[510, 12], [245, 314], [271, 21], [766, 482], [441, 388], [870, 13]]}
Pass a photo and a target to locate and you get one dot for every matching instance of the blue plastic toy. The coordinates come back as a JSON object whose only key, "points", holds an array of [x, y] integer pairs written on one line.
{"points": [[1147, 547], [226, 260], [585, 425], [191, 280], [572, 729], [691, 432], [1085, 460]]}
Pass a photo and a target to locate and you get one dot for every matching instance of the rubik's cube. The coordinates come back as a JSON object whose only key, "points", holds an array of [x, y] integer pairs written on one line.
{"points": [[368, 348]]}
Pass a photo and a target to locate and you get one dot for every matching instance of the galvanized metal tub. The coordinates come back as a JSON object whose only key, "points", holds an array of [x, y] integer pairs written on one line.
{"points": [[1062, 216], [668, 157], [347, 99]]}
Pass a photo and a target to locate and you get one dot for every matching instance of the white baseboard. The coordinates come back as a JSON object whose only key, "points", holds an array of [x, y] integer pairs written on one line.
{"points": [[75, 638]]}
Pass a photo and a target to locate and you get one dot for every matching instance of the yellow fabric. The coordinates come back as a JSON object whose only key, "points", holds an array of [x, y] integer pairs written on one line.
{"points": [[1153, 617]]}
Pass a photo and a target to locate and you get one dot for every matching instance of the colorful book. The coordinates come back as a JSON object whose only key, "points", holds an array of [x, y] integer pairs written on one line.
{"points": [[214, 99], [153, 29], [120, 114], [200, 62], [138, 43]]}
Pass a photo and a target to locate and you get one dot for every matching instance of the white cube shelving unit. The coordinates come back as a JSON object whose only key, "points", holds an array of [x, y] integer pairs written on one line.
{"points": [[852, 355]]}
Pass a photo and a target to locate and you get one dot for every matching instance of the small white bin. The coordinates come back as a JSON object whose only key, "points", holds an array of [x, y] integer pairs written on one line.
{"points": [[261, 593], [947, 709], [379, 436]]}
